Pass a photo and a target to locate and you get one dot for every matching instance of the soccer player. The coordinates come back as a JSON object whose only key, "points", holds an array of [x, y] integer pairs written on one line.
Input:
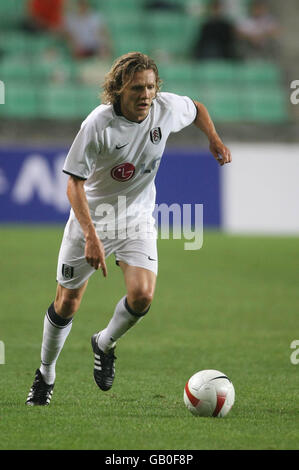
{"points": [[112, 165]]}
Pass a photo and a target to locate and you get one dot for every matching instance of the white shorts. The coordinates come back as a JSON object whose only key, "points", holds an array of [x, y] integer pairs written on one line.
{"points": [[73, 269]]}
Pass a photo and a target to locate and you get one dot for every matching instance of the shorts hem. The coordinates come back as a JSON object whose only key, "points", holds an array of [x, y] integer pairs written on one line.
{"points": [[138, 265], [67, 285]]}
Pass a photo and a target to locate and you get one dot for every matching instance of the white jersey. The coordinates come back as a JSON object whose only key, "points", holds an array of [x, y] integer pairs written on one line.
{"points": [[119, 158]]}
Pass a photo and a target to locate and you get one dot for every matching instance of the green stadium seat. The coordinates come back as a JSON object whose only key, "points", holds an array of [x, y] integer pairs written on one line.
{"points": [[39, 85], [17, 69], [14, 69], [223, 102], [135, 42], [21, 101], [59, 71], [264, 104], [13, 42], [67, 101], [23, 44], [183, 73], [172, 32], [12, 13], [125, 24], [88, 99], [258, 72], [112, 6], [210, 71], [193, 91]]}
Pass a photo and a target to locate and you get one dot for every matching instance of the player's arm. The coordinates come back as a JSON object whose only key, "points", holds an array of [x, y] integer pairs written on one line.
{"points": [[94, 250], [204, 122]]}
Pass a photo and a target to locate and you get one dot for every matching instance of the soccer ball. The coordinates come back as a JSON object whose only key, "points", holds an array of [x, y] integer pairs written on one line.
{"points": [[209, 393]]}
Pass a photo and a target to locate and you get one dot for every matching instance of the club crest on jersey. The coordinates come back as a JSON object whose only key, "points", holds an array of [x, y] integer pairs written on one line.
{"points": [[156, 135], [67, 271], [123, 172]]}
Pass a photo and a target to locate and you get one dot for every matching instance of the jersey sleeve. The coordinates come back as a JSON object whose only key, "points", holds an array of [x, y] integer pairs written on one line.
{"points": [[82, 156], [183, 110]]}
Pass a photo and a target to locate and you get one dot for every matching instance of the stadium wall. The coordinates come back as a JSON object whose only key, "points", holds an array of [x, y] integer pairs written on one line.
{"points": [[260, 190], [258, 193]]}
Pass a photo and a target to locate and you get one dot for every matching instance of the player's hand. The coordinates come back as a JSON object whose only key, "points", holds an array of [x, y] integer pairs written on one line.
{"points": [[220, 151], [95, 253]]}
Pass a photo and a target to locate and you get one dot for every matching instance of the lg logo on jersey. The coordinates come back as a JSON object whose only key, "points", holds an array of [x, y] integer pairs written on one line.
{"points": [[123, 172], [126, 171]]}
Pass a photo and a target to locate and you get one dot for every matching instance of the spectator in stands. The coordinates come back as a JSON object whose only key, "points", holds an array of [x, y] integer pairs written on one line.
{"points": [[216, 38], [259, 31], [86, 32], [162, 5], [230, 8], [44, 15]]}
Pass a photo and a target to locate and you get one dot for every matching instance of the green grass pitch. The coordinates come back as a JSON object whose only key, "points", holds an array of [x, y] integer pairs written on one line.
{"points": [[232, 306]]}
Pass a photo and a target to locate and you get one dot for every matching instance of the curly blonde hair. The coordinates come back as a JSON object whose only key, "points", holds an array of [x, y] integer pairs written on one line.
{"points": [[122, 73]]}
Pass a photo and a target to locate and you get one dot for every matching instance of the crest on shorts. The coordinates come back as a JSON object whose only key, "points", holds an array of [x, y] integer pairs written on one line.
{"points": [[67, 271], [156, 135]]}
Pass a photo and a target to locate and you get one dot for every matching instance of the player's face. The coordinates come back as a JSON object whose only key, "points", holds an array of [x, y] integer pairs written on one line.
{"points": [[137, 97]]}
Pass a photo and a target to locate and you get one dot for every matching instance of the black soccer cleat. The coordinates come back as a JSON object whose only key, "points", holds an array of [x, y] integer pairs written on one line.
{"points": [[104, 365], [40, 393]]}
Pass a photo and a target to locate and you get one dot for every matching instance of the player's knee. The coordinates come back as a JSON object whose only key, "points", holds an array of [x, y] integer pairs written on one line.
{"points": [[66, 306], [140, 299], [67, 301]]}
